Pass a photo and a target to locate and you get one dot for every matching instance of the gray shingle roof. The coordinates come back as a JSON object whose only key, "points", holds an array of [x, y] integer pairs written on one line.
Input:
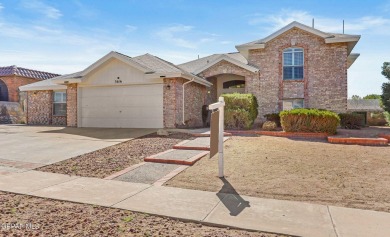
{"points": [[157, 64], [24, 72], [362, 105], [194, 65]]}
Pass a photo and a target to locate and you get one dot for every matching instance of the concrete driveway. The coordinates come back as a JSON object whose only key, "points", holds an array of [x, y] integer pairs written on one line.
{"points": [[29, 147]]}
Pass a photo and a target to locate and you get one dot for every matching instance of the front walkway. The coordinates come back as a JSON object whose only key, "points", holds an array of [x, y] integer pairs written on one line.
{"points": [[287, 217]]}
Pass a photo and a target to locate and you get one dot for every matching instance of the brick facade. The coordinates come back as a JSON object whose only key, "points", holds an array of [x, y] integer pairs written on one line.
{"points": [[71, 105], [224, 67], [325, 73], [13, 83], [40, 109], [195, 98]]}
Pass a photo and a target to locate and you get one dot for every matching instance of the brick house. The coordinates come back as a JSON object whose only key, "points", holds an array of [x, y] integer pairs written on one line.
{"points": [[12, 77], [297, 66], [120, 91]]}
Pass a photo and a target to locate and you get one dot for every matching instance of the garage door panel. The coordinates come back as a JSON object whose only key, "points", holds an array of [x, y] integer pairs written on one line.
{"points": [[138, 106], [120, 91], [126, 101], [121, 112], [120, 123]]}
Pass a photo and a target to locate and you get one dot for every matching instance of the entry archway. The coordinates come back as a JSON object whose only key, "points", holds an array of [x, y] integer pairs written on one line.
{"points": [[3, 91]]}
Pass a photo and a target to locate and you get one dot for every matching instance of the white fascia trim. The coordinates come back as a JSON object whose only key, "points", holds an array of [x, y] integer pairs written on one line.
{"points": [[252, 46], [352, 58], [187, 76], [230, 60], [197, 79], [297, 25], [43, 88], [162, 75], [244, 49], [342, 39], [67, 80]]}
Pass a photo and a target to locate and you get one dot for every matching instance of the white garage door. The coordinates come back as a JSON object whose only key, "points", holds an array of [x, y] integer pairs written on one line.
{"points": [[138, 106]]}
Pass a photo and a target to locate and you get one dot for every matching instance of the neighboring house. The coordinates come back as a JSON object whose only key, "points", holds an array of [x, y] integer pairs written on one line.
{"points": [[370, 108], [297, 66], [12, 77]]}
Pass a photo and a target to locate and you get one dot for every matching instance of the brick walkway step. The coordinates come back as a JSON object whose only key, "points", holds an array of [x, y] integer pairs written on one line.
{"points": [[200, 144], [179, 157], [385, 136], [359, 141], [207, 134]]}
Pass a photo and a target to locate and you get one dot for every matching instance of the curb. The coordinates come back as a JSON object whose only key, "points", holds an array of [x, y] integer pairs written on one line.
{"points": [[293, 134], [385, 136], [359, 141]]}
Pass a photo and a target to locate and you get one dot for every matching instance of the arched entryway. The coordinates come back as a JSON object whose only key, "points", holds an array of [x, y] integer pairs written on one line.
{"points": [[3, 91], [226, 83]]}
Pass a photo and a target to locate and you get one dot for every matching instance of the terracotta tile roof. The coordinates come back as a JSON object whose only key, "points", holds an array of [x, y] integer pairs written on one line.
{"points": [[24, 72]]}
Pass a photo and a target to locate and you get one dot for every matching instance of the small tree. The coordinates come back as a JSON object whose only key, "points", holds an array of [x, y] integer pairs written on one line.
{"points": [[356, 97], [386, 87], [372, 96]]}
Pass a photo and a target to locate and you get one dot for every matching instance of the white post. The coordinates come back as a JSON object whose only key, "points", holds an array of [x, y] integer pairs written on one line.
{"points": [[221, 130], [220, 106]]}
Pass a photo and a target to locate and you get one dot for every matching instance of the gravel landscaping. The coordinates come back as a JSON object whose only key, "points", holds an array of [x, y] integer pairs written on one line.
{"points": [[300, 170], [106, 161], [22, 215]]}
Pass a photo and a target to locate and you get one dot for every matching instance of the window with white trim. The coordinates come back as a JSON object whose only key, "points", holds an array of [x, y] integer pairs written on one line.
{"points": [[293, 104], [293, 61], [59, 103]]}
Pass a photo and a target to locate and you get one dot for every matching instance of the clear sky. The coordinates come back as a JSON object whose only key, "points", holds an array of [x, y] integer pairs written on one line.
{"points": [[67, 36]]}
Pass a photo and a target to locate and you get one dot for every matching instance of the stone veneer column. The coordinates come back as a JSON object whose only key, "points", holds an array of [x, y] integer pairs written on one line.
{"points": [[71, 105]]}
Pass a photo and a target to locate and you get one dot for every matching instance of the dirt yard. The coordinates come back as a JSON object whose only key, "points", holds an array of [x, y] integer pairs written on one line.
{"points": [[310, 171], [106, 161], [22, 215]]}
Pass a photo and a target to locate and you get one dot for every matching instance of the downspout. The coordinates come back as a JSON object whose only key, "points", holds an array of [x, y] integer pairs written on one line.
{"points": [[184, 94]]}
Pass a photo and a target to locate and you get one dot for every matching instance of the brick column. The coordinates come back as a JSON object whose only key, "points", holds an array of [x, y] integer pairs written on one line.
{"points": [[71, 105]]}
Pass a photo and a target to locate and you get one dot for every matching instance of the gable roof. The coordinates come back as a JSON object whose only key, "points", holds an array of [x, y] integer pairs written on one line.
{"points": [[25, 72], [199, 65], [328, 38], [121, 57], [363, 105], [151, 65]]}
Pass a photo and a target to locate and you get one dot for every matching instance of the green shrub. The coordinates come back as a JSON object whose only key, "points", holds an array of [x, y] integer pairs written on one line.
{"points": [[240, 110], [351, 120], [269, 126], [274, 117], [309, 120], [387, 117]]}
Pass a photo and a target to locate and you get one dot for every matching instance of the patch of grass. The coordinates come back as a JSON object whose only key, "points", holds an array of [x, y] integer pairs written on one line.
{"points": [[128, 219], [13, 210]]}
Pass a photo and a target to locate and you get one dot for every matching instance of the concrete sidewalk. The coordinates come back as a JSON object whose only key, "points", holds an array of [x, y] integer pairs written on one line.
{"points": [[277, 216]]}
